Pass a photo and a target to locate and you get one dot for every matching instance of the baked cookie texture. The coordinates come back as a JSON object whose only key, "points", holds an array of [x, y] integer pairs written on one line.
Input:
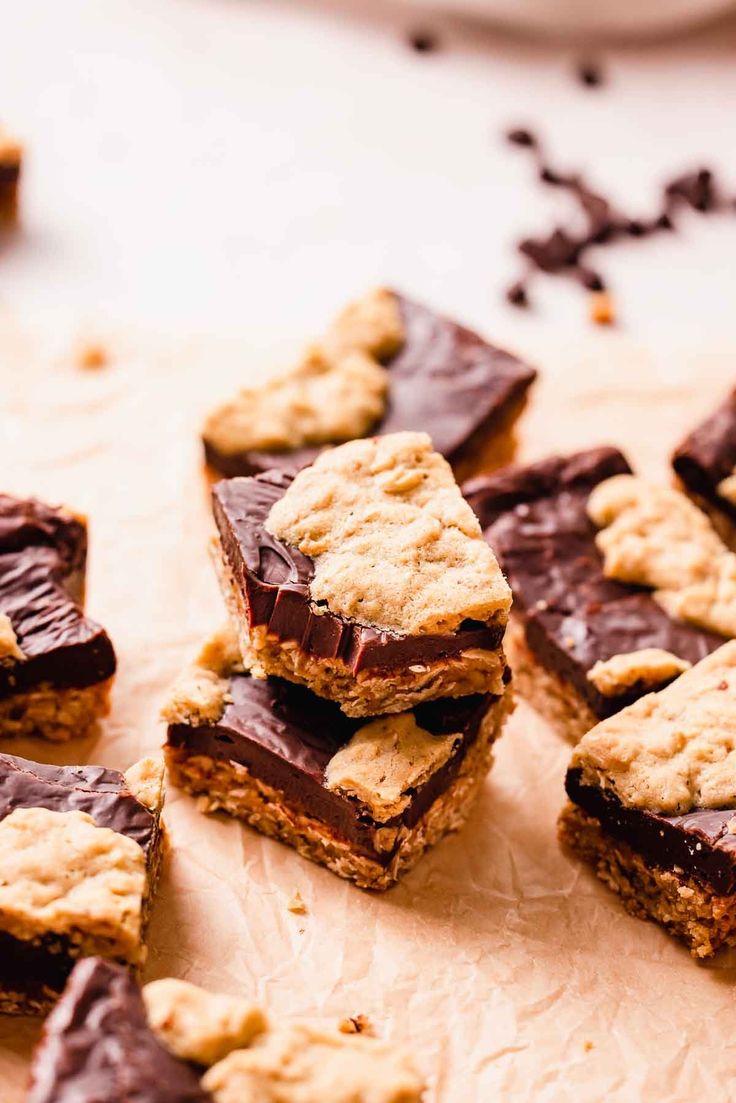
{"points": [[11, 156], [364, 578], [56, 664], [172, 1042], [653, 804], [574, 535], [365, 797], [386, 364], [80, 854], [705, 465]]}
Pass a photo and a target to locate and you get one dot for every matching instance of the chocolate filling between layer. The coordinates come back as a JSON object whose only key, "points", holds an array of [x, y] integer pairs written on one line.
{"points": [[698, 843]]}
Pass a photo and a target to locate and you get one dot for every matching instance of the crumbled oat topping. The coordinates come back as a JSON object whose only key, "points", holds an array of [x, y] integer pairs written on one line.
{"points": [[145, 780], [200, 1026], [336, 392], [385, 761], [674, 750], [651, 666], [395, 545], [311, 1063], [61, 874], [200, 693], [654, 536], [727, 488], [10, 652]]}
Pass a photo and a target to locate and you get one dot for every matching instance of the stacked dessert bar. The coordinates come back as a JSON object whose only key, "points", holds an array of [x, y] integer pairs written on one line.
{"points": [[386, 365], [351, 707]]}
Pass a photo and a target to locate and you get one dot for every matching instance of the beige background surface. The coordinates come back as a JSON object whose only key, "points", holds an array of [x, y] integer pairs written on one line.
{"points": [[513, 974]]}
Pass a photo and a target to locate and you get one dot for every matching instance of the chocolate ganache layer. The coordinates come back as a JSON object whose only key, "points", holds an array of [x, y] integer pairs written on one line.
{"points": [[445, 380], [274, 580], [698, 843], [708, 456], [536, 520], [102, 793], [42, 562], [285, 736], [97, 1047]]}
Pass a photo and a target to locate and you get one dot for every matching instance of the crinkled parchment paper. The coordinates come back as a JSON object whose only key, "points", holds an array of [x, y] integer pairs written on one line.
{"points": [[513, 974]]}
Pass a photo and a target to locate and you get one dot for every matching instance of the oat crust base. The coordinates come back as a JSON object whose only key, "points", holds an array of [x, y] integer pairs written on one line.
{"points": [[55, 714], [685, 907]]}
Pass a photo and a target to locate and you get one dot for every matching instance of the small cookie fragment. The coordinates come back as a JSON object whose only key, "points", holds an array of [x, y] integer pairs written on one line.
{"points": [[356, 1024], [92, 355], [602, 309], [309, 1063], [651, 666], [200, 1026], [295, 903]]}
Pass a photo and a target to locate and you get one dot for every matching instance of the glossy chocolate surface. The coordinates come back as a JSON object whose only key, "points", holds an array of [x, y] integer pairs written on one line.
{"points": [[708, 456], [446, 381], [699, 843], [285, 736], [97, 1047], [535, 519], [42, 561], [274, 580], [102, 793]]}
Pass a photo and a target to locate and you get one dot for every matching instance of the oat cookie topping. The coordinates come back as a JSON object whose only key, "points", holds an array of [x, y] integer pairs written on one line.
{"points": [[385, 761], [727, 488], [652, 666], [10, 652], [654, 536], [197, 1025], [200, 693], [336, 392], [395, 544], [674, 750], [311, 1063], [61, 874], [145, 780]]}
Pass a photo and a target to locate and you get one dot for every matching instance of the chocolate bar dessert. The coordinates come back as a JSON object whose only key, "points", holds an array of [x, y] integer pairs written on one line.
{"points": [[386, 364]]}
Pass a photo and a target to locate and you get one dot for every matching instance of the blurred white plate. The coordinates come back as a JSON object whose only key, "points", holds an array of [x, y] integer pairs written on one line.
{"points": [[586, 17]]}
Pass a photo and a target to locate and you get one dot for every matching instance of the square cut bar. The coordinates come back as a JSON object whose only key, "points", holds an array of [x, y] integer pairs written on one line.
{"points": [[386, 365], [364, 798], [109, 1041], [380, 592], [56, 665], [569, 617], [705, 463], [11, 154], [653, 804], [80, 852]]}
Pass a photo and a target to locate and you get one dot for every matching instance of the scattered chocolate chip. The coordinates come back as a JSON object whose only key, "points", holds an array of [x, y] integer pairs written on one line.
{"points": [[520, 137], [517, 295], [562, 251], [590, 74], [590, 280], [424, 42]]}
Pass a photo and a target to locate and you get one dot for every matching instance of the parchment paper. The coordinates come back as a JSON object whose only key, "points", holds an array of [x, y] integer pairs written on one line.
{"points": [[512, 973]]}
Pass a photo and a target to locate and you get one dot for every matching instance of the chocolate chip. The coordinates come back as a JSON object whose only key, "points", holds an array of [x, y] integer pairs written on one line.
{"points": [[590, 74], [521, 137], [517, 295], [424, 42]]}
